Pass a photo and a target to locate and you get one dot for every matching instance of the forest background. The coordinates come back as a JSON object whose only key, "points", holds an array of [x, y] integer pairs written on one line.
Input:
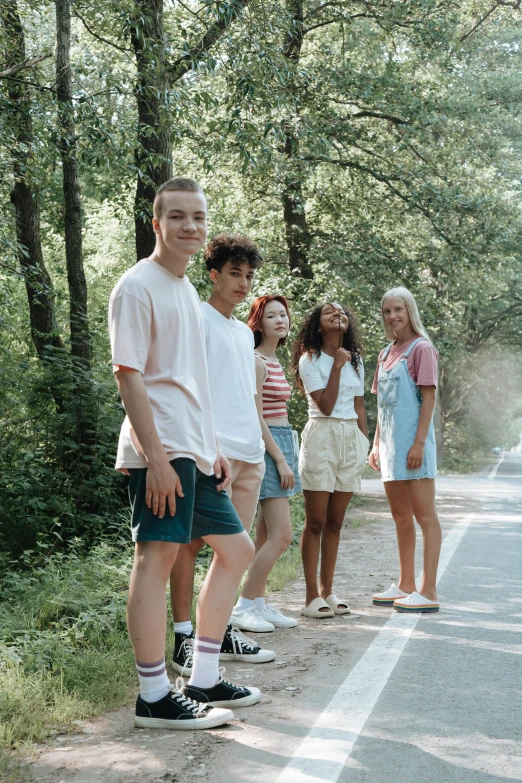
{"points": [[362, 143]]}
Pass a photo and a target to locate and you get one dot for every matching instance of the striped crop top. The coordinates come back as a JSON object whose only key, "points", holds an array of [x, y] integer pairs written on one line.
{"points": [[276, 389]]}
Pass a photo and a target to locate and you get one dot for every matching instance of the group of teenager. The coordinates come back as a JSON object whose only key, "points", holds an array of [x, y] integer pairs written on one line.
{"points": [[209, 450]]}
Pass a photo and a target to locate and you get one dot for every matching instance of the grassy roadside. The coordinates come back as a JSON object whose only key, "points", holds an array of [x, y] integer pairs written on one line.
{"points": [[64, 650]]}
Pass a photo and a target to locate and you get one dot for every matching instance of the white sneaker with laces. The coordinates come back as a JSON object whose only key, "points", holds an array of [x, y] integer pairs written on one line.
{"points": [[250, 620], [277, 618]]}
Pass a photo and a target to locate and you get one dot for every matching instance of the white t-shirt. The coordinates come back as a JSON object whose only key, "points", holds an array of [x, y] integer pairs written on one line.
{"points": [[232, 379], [315, 372], [155, 327]]}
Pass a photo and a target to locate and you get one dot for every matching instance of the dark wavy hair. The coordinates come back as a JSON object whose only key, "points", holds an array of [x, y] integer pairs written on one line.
{"points": [[309, 340], [232, 247]]}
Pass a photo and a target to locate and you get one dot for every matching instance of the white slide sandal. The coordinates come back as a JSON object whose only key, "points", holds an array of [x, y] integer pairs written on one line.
{"points": [[312, 610], [337, 605]]}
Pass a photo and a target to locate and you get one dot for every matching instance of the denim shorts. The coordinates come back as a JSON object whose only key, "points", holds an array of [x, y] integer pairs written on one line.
{"points": [[202, 511], [287, 440]]}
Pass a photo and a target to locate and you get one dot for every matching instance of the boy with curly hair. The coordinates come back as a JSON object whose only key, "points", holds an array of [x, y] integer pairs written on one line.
{"points": [[232, 261]]}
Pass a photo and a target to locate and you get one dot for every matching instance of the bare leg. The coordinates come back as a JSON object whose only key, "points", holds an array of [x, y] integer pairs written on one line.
{"points": [[232, 556], [147, 603], [182, 580], [260, 529], [422, 498], [402, 513], [278, 524], [336, 512], [316, 509]]}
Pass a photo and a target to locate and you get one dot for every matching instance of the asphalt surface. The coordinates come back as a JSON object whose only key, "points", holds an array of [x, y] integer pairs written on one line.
{"points": [[452, 710]]}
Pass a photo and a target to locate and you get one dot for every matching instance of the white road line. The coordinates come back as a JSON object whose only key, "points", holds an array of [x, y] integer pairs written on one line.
{"points": [[322, 755], [493, 473]]}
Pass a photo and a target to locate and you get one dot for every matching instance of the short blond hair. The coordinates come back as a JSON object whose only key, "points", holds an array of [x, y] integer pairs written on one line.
{"points": [[411, 307], [178, 183]]}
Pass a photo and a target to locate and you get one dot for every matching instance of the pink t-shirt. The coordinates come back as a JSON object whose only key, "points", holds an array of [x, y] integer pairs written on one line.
{"points": [[422, 362]]}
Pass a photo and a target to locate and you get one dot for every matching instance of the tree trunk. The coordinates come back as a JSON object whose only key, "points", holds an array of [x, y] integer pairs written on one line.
{"points": [[79, 325], [26, 201], [298, 236], [153, 153]]}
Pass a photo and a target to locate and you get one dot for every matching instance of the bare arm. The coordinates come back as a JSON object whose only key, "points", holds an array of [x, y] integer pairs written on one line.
{"points": [[287, 476], [358, 404], [374, 454], [162, 480], [416, 453], [326, 398]]}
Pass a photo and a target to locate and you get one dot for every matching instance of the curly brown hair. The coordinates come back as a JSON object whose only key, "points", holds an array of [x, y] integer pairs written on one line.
{"points": [[232, 247], [309, 340]]}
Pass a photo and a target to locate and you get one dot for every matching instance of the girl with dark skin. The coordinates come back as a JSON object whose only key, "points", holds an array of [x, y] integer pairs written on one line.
{"points": [[328, 366]]}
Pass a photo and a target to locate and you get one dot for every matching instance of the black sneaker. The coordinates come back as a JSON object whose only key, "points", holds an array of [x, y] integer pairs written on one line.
{"points": [[223, 694], [183, 653], [237, 647], [177, 711]]}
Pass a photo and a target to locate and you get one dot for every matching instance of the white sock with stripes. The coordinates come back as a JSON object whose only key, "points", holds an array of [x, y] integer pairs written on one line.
{"points": [[154, 682], [205, 664]]}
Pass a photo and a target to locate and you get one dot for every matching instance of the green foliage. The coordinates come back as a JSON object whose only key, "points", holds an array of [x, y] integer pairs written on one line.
{"points": [[394, 128], [64, 652]]}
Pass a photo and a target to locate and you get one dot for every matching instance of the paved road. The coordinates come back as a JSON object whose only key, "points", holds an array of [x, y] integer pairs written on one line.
{"points": [[374, 697], [450, 711]]}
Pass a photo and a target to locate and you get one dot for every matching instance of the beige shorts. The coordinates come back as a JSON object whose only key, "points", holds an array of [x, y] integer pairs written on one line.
{"points": [[244, 489], [333, 455]]}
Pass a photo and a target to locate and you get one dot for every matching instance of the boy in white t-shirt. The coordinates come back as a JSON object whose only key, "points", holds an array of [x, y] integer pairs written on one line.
{"points": [[178, 475], [232, 261]]}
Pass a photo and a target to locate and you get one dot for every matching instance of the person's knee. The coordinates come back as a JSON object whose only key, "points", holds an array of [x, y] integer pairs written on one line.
{"points": [[283, 541], [402, 519], [159, 559], [334, 525], [315, 525], [238, 556], [427, 520]]}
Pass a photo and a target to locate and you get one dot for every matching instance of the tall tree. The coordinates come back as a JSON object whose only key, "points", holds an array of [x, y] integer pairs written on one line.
{"points": [[156, 75], [79, 324], [25, 196], [297, 231]]}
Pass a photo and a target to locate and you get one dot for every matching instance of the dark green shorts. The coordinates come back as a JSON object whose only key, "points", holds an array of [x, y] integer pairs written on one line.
{"points": [[201, 512]]}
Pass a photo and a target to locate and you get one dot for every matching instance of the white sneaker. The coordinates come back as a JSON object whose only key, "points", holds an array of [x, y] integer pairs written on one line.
{"points": [[277, 618], [250, 620], [388, 596]]}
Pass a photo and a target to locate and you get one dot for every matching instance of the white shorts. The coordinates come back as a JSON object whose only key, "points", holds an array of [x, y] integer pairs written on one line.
{"points": [[333, 455]]}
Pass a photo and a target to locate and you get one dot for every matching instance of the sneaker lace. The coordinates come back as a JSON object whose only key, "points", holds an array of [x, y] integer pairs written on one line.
{"points": [[221, 672], [187, 649], [274, 610], [241, 642], [189, 704]]}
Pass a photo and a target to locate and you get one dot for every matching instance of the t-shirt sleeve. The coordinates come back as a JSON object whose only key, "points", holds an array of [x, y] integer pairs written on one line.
{"points": [[376, 376], [310, 375], [130, 332], [205, 327], [423, 366]]}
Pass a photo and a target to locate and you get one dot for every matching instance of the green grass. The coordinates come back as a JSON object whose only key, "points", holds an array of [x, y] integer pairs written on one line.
{"points": [[64, 650]]}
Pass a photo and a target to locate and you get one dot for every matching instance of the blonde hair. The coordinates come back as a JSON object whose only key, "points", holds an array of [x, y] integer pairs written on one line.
{"points": [[411, 307], [178, 183]]}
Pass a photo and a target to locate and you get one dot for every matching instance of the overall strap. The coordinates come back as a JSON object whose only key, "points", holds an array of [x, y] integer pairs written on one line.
{"points": [[412, 346], [386, 352]]}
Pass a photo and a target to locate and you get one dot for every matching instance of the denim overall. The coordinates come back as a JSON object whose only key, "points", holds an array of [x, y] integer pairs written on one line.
{"points": [[399, 401]]}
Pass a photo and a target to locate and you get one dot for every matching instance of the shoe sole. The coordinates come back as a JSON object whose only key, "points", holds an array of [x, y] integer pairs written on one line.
{"points": [[245, 701], [425, 610], [286, 625], [209, 722], [383, 601], [259, 658], [244, 627]]}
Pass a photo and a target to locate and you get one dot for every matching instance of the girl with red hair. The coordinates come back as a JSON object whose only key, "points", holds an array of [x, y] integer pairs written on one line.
{"points": [[269, 319]]}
